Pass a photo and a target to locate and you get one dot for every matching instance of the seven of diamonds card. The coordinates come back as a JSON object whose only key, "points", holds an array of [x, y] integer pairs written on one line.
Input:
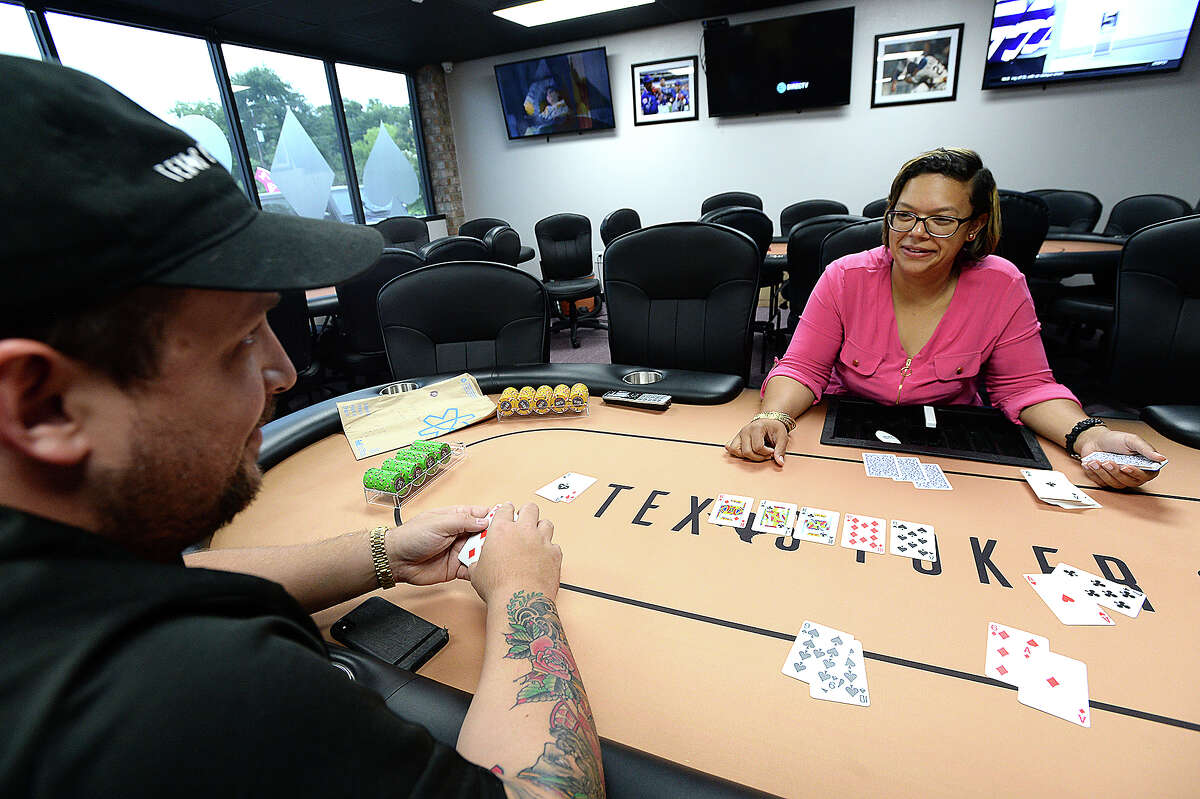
{"points": [[865, 533]]}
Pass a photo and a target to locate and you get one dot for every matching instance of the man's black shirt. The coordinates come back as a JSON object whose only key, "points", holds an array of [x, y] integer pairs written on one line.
{"points": [[121, 677]]}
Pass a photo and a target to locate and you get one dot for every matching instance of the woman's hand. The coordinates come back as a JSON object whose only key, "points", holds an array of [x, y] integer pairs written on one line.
{"points": [[760, 440], [1115, 475]]}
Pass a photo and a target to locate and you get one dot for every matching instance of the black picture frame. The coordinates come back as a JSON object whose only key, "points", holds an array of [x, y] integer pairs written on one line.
{"points": [[899, 53], [683, 71]]}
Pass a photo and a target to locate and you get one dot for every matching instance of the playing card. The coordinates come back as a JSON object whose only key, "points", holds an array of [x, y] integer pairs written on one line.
{"points": [[913, 540], [1051, 485], [933, 478], [1067, 603], [909, 470], [880, 464], [1084, 503], [1058, 685], [774, 517], [473, 546], [1121, 598], [817, 647], [565, 488], [731, 510], [1137, 461], [845, 681], [1011, 652], [865, 533], [815, 524]]}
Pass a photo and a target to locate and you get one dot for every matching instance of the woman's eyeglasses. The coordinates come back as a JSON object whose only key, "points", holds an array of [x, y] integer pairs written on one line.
{"points": [[940, 227]]}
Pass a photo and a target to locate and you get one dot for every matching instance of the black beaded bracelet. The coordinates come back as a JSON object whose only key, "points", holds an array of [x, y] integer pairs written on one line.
{"points": [[1080, 426]]}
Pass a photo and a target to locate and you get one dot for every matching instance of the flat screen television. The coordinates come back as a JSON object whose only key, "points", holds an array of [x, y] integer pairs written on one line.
{"points": [[783, 64], [1045, 41], [556, 94]]}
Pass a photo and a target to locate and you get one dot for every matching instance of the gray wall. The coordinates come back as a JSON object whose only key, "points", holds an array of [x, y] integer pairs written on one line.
{"points": [[1114, 138]]}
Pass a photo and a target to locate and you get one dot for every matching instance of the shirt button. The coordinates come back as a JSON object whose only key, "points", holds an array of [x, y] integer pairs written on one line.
{"points": [[958, 371], [856, 361]]}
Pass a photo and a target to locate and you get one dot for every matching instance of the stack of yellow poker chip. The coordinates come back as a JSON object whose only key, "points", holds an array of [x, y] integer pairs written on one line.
{"points": [[579, 397], [542, 399], [506, 405], [525, 399], [561, 398]]}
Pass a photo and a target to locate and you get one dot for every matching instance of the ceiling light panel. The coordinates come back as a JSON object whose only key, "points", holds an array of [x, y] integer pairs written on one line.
{"points": [[543, 12]]}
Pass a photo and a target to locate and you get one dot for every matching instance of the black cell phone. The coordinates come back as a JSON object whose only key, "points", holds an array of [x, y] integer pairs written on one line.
{"points": [[390, 633]]}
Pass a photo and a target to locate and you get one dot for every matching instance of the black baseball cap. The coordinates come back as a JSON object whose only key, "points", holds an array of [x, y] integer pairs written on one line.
{"points": [[98, 195]]}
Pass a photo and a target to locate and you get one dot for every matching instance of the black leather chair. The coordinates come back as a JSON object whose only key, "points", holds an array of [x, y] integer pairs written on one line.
{"points": [[855, 237], [683, 295], [807, 209], [758, 227], [291, 324], [1024, 221], [875, 208], [456, 317], [619, 222], [1071, 211], [453, 248], [359, 345], [1156, 335], [565, 244], [407, 232], [476, 228], [804, 258], [1134, 213], [741, 198], [503, 245]]}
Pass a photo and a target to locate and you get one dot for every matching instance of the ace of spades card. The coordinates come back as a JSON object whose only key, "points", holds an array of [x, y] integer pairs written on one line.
{"points": [[913, 540]]}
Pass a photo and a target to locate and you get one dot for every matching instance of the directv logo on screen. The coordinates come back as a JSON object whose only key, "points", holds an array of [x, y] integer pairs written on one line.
{"points": [[794, 86]]}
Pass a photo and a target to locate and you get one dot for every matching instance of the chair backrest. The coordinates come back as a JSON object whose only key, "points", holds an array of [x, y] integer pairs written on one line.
{"points": [[751, 221], [453, 248], [1071, 211], [359, 322], [855, 237], [619, 222], [475, 228], [1024, 221], [1134, 213], [682, 295], [1156, 336], [289, 321], [408, 232], [462, 316], [565, 246], [807, 209], [742, 198], [804, 252], [875, 208], [503, 245]]}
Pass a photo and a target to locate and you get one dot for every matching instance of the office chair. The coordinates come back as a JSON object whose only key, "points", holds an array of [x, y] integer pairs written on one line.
{"points": [[875, 208], [407, 232], [1071, 211], [565, 245], [358, 349], [852, 238], [804, 258], [807, 209], [1134, 213], [453, 248], [758, 227], [503, 245], [619, 222], [740, 198], [462, 316]]}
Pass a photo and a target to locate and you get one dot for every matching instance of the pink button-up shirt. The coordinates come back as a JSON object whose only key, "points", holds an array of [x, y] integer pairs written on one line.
{"points": [[846, 341]]}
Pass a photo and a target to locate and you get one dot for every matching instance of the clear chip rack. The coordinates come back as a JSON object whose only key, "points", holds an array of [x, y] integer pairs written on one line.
{"points": [[397, 499]]}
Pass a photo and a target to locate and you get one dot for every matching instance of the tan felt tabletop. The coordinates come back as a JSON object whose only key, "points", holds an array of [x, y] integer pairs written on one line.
{"points": [[1066, 245], [681, 628]]}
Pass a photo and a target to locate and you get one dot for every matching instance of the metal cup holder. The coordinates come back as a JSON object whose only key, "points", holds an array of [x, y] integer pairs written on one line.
{"points": [[642, 377], [399, 388]]}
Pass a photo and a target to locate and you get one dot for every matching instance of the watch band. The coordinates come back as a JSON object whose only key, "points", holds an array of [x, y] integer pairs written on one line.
{"points": [[778, 416], [1080, 426], [379, 557]]}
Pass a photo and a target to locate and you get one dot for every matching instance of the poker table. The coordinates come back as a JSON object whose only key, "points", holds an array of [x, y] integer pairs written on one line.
{"points": [[681, 627]]}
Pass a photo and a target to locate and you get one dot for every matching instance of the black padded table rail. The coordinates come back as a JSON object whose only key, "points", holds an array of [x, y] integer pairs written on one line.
{"points": [[970, 433]]}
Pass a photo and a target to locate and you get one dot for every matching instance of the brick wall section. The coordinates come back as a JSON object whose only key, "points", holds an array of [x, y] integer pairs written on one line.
{"points": [[440, 154]]}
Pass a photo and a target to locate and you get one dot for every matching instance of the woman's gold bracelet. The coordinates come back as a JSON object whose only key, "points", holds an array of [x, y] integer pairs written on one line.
{"points": [[778, 416]]}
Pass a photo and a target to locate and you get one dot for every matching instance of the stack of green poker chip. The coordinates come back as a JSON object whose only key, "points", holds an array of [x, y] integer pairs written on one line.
{"points": [[440, 449], [413, 473], [383, 480], [426, 460]]}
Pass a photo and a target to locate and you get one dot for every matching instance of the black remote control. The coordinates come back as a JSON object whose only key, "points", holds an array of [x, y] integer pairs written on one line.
{"points": [[634, 399]]}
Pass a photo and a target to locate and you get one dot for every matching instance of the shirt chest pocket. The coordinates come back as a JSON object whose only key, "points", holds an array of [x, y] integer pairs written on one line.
{"points": [[858, 360], [957, 366]]}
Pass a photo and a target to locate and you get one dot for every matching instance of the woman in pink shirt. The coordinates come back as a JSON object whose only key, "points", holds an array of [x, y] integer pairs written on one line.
{"points": [[923, 319]]}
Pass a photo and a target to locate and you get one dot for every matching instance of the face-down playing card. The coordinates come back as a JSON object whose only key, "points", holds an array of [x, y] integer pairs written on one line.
{"points": [[864, 533], [913, 540], [1011, 652]]}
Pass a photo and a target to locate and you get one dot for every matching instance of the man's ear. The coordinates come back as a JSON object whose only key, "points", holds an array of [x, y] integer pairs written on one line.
{"points": [[34, 421]]}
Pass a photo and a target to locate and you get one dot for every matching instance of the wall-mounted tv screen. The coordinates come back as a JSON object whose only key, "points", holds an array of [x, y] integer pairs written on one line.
{"points": [[1043, 41], [783, 64], [556, 94]]}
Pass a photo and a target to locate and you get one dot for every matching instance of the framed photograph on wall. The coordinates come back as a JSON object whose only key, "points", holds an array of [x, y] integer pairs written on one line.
{"points": [[665, 91], [917, 66]]}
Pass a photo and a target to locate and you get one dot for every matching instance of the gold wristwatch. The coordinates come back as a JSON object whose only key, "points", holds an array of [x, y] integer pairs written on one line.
{"points": [[379, 557], [778, 416]]}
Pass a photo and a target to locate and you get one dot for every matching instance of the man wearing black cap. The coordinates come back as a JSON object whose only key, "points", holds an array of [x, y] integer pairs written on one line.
{"points": [[136, 368]]}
